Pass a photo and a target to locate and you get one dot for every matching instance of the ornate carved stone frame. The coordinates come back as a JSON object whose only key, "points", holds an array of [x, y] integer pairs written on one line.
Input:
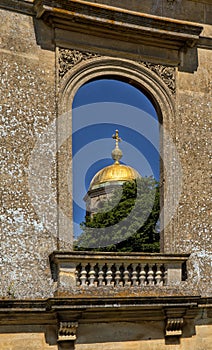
{"points": [[81, 67]]}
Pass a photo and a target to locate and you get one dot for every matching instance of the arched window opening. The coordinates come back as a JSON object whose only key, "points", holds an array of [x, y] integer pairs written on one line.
{"points": [[100, 107]]}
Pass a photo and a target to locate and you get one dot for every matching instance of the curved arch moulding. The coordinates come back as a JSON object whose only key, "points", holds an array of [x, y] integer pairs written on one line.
{"points": [[137, 74]]}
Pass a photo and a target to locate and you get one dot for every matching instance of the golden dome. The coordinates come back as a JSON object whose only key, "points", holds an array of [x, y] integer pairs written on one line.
{"points": [[113, 173], [116, 173]]}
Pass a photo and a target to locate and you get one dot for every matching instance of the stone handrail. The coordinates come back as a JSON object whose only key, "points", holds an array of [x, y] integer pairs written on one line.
{"points": [[94, 269]]}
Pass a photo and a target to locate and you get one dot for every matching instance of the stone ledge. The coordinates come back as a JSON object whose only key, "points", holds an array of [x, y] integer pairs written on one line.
{"points": [[139, 27], [48, 311], [35, 307], [20, 6], [205, 43]]}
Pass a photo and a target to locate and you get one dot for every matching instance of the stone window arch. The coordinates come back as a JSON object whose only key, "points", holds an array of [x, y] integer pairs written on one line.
{"points": [[75, 68]]}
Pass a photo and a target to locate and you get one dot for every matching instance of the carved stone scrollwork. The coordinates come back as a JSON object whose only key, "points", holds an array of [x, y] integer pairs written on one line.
{"points": [[166, 73], [69, 58], [174, 326], [67, 331]]}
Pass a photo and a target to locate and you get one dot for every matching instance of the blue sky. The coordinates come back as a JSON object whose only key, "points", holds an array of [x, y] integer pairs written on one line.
{"points": [[99, 108]]}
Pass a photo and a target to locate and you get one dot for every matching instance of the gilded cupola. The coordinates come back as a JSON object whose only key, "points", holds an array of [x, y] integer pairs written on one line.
{"points": [[116, 173]]}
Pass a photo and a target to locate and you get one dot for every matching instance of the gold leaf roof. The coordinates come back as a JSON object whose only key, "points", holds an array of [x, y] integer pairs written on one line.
{"points": [[113, 173]]}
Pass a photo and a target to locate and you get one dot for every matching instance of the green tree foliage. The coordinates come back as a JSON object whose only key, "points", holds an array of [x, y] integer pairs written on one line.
{"points": [[127, 222]]}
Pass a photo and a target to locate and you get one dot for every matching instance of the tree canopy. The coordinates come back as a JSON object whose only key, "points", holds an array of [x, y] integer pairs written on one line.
{"points": [[128, 221]]}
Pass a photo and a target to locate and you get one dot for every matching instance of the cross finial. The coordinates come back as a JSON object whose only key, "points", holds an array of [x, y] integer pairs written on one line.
{"points": [[117, 153], [116, 137]]}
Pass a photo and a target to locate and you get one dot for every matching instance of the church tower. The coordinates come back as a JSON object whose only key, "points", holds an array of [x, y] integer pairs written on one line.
{"points": [[108, 179]]}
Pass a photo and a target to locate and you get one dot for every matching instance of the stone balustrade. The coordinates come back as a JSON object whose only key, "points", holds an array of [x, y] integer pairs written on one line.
{"points": [[120, 274], [114, 270]]}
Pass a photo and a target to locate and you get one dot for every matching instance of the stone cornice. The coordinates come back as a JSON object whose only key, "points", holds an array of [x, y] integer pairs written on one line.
{"points": [[47, 311], [20, 6], [202, 1], [205, 43], [25, 306], [59, 318], [66, 255], [111, 22], [119, 23]]}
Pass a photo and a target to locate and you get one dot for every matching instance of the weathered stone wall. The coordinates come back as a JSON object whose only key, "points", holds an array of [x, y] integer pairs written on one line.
{"points": [[28, 341], [149, 332], [28, 76], [29, 211], [193, 141], [27, 108]]}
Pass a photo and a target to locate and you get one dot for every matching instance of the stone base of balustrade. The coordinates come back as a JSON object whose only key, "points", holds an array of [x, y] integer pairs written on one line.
{"points": [[184, 290]]}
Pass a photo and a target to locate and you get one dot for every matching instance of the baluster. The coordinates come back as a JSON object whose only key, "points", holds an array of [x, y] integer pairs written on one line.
{"points": [[134, 275], [142, 276], [150, 277], [96, 270], [113, 269], [165, 278], [83, 276], [77, 274], [108, 276], [91, 275], [126, 277], [121, 269], [101, 275], [158, 276], [117, 275]]}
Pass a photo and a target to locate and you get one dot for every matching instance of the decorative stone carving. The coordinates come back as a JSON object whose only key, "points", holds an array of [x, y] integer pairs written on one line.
{"points": [[69, 58], [174, 326], [67, 331], [166, 73]]}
